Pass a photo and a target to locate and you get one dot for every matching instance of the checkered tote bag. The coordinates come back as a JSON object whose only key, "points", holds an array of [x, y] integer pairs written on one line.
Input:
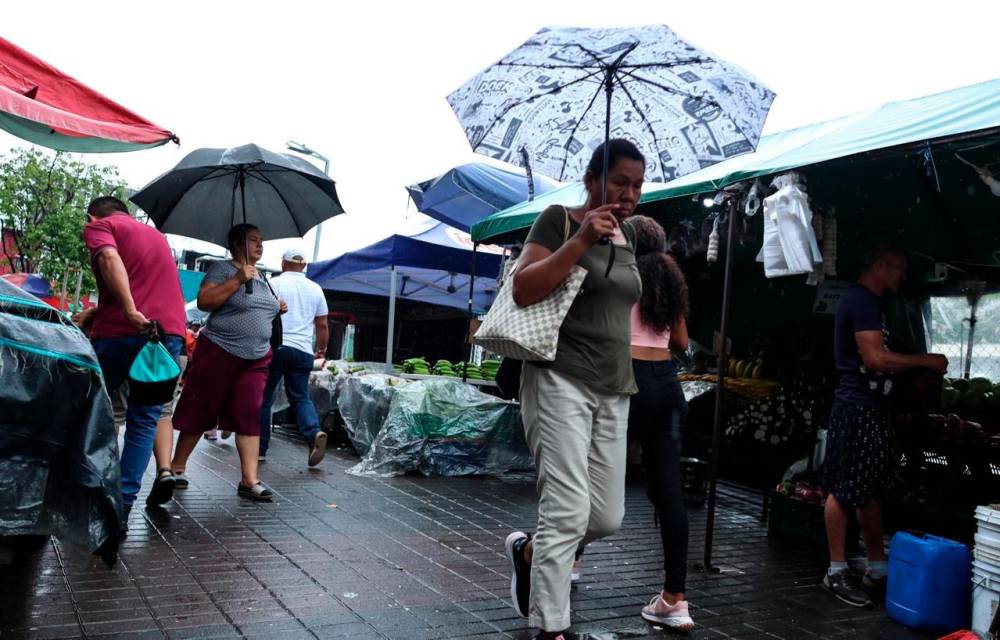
{"points": [[529, 333]]}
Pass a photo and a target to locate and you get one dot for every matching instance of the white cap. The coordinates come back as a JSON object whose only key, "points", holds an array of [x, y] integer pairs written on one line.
{"points": [[295, 254]]}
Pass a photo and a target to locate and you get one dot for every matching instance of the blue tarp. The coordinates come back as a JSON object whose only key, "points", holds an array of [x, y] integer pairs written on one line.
{"points": [[432, 265], [470, 192]]}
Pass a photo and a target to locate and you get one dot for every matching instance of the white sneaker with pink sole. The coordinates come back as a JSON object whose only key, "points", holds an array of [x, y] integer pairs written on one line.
{"points": [[671, 616]]}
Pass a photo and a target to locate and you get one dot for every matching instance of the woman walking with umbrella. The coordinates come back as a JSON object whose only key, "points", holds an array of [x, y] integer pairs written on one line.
{"points": [[226, 376], [575, 409]]}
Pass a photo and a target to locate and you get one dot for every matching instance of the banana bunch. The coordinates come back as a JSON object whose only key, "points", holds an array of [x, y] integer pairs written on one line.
{"points": [[746, 368]]}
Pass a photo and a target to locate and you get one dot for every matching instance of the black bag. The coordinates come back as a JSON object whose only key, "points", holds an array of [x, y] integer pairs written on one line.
{"points": [[277, 330], [509, 378]]}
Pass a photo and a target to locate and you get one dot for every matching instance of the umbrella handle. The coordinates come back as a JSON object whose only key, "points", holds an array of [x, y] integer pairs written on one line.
{"points": [[249, 287]]}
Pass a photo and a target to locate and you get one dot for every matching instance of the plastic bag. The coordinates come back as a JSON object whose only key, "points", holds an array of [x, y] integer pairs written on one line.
{"points": [[59, 470], [789, 246], [444, 427]]}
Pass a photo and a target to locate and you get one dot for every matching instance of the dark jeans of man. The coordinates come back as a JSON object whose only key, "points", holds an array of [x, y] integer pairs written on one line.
{"points": [[294, 366], [656, 417], [116, 356]]}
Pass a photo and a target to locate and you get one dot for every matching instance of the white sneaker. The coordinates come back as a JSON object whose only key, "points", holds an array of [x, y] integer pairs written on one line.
{"points": [[673, 616]]}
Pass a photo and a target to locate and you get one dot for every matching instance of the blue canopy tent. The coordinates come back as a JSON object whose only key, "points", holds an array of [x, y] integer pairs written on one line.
{"points": [[470, 192], [432, 263]]}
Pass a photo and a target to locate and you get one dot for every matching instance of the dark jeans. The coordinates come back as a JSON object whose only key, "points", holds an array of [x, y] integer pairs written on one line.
{"points": [[294, 366], [656, 417], [116, 356]]}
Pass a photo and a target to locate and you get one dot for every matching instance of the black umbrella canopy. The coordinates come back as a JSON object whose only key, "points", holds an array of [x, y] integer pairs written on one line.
{"points": [[203, 197]]}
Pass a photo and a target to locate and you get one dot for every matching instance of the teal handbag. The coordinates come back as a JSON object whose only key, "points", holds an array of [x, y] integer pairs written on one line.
{"points": [[154, 372]]}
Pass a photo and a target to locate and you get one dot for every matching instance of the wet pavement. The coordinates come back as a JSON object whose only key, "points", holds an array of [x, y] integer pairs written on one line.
{"points": [[337, 556]]}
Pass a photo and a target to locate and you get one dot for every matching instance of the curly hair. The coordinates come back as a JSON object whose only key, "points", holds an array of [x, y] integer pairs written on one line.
{"points": [[664, 289]]}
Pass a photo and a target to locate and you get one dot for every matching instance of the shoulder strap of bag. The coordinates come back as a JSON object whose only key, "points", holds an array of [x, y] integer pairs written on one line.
{"points": [[268, 283], [566, 226]]}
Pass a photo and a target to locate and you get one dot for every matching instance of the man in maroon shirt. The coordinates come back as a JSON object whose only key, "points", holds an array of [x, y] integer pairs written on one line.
{"points": [[137, 284]]}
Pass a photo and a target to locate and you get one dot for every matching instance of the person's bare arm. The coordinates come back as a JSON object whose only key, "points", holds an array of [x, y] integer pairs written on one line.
{"points": [[112, 270], [679, 335], [875, 356], [322, 336], [213, 295], [540, 270]]}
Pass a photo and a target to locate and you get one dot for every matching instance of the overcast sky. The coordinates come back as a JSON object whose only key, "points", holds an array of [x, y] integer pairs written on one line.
{"points": [[365, 82]]}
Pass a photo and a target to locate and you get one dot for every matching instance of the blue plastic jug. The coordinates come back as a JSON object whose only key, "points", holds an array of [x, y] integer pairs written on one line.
{"points": [[929, 583]]}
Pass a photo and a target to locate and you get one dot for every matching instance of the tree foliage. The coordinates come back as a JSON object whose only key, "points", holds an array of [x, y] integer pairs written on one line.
{"points": [[43, 203]]}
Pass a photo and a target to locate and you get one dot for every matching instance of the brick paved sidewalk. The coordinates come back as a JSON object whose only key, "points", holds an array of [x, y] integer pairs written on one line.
{"points": [[336, 556]]}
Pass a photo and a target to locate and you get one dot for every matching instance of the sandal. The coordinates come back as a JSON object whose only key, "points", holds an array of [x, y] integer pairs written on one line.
{"points": [[258, 492], [180, 480], [163, 488]]}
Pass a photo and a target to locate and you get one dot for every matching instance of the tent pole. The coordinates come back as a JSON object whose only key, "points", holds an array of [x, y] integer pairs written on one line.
{"points": [[65, 283], [79, 285], [973, 319], [472, 282], [390, 337], [713, 475]]}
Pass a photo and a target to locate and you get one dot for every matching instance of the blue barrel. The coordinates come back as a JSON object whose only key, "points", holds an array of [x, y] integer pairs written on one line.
{"points": [[929, 580]]}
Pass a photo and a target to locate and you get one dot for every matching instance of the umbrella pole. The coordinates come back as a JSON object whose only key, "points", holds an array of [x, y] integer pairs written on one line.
{"points": [[527, 172], [713, 476], [609, 88], [472, 282], [246, 242], [390, 334]]}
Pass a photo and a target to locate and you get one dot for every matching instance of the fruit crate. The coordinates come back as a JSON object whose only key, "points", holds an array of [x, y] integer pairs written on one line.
{"points": [[788, 516]]}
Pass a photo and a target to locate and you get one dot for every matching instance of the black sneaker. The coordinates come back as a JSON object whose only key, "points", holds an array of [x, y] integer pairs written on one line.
{"points": [[843, 586], [163, 489], [874, 587], [520, 572]]}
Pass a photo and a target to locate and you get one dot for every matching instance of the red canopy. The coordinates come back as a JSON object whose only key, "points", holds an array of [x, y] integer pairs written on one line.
{"points": [[41, 104]]}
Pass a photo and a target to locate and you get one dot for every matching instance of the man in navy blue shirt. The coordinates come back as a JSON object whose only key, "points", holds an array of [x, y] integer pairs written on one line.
{"points": [[859, 451]]}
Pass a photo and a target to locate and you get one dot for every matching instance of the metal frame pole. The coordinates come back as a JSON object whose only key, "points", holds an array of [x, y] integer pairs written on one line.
{"points": [[390, 333], [319, 227], [719, 391], [472, 282]]}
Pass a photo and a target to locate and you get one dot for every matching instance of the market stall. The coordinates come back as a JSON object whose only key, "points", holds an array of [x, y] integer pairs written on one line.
{"points": [[914, 174], [428, 262], [899, 175]]}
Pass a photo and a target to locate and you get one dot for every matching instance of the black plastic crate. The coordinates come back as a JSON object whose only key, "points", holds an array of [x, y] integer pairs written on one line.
{"points": [[787, 516]]}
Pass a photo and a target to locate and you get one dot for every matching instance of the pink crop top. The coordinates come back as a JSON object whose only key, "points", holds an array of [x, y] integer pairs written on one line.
{"points": [[644, 336]]}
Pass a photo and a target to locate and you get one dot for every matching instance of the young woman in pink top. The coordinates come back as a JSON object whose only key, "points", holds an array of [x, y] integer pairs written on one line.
{"points": [[657, 412]]}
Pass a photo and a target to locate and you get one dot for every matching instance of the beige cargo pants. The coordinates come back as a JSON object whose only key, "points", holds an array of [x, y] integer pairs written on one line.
{"points": [[578, 439]]}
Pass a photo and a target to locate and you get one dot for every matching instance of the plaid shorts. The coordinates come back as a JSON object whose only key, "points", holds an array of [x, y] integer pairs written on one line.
{"points": [[859, 453]]}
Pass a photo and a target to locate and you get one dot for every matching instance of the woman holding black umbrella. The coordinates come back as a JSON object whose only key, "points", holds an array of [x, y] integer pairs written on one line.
{"points": [[226, 376], [575, 409]]}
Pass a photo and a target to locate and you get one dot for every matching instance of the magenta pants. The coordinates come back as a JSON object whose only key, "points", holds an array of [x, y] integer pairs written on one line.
{"points": [[221, 389]]}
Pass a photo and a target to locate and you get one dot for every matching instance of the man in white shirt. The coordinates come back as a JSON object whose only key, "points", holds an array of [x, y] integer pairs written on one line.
{"points": [[293, 361]]}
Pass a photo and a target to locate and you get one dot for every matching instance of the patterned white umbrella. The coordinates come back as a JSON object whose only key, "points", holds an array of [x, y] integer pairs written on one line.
{"points": [[566, 90]]}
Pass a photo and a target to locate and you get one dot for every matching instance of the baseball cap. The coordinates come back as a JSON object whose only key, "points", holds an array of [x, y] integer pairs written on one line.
{"points": [[295, 254]]}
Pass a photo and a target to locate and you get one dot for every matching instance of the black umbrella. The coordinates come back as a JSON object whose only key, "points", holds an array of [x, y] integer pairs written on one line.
{"points": [[212, 190]]}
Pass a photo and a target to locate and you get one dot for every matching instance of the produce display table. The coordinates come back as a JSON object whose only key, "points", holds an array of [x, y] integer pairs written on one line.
{"points": [[400, 423], [477, 383]]}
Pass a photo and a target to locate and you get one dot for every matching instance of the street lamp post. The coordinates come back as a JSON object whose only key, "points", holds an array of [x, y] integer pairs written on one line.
{"points": [[298, 147]]}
